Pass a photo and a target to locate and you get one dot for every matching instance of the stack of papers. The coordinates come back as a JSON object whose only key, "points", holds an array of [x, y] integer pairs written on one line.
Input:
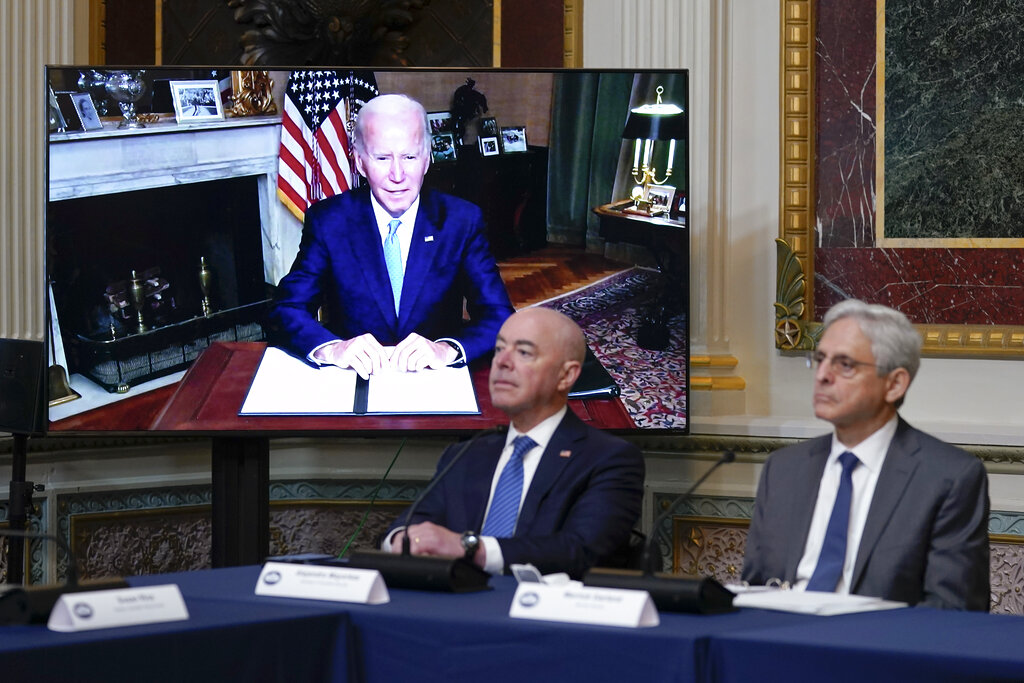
{"points": [[809, 602]]}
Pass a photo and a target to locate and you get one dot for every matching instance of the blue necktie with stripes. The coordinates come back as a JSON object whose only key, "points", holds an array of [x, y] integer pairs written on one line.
{"points": [[393, 260], [501, 520], [833, 549]]}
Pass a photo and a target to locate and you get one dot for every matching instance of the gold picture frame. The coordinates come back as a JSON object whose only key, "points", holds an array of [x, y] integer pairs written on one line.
{"points": [[795, 327]]}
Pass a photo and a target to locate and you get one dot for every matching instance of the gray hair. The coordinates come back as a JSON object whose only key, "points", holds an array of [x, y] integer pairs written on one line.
{"points": [[396, 103], [894, 341]]}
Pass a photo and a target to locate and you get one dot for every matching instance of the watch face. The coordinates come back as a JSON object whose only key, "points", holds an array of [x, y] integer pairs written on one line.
{"points": [[470, 541]]}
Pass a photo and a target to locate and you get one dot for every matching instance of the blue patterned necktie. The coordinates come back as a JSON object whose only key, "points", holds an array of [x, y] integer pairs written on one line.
{"points": [[393, 260], [833, 550], [501, 520]]}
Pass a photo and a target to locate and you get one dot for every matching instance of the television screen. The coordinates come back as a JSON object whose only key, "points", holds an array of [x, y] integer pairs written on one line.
{"points": [[176, 204]]}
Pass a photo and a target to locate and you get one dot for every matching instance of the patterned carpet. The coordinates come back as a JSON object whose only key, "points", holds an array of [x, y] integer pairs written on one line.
{"points": [[652, 382]]}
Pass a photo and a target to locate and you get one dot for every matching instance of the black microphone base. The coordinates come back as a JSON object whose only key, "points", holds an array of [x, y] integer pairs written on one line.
{"points": [[670, 593], [413, 572], [418, 572], [32, 605]]}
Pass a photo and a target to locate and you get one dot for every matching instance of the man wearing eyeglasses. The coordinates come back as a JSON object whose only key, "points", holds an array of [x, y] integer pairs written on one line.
{"points": [[877, 507]]}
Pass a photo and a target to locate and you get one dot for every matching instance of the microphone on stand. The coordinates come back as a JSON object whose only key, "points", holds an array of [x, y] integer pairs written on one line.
{"points": [[33, 604], [421, 572], [670, 593]]}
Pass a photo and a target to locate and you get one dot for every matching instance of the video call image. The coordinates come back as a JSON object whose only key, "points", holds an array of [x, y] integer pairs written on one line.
{"points": [[198, 272]]}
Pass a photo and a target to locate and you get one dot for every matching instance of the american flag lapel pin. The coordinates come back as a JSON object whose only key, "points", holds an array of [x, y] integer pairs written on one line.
{"points": [[564, 454], [428, 238]]}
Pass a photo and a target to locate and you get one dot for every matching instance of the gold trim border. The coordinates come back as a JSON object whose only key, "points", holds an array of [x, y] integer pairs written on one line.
{"points": [[796, 328]]}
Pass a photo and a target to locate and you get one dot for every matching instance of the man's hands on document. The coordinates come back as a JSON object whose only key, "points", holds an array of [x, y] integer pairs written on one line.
{"points": [[366, 355]]}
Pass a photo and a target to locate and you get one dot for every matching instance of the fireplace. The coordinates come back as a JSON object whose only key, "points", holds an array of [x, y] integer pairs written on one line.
{"points": [[159, 243]]}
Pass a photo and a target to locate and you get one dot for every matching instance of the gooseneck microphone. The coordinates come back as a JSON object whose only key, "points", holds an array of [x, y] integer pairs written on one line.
{"points": [[423, 572], [499, 429], [670, 593], [33, 604], [647, 564]]}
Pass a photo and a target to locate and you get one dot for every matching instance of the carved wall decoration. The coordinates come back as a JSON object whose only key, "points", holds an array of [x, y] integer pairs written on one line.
{"points": [[306, 32], [709, 546], [1007, 562]]}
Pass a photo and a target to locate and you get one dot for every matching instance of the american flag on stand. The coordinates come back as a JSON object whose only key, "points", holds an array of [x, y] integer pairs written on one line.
{"points": [[314, 159]]}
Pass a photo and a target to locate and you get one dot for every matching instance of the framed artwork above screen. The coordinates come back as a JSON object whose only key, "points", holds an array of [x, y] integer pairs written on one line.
{"points": [[166, 244]]}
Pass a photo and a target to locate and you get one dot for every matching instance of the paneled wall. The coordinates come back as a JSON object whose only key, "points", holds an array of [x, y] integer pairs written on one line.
{"points": [[33, 34]]}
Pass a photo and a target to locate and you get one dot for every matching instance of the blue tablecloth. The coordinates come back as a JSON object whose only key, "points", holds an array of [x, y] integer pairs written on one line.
{"points": [[917, 644], [423, 636], [223, 640]]}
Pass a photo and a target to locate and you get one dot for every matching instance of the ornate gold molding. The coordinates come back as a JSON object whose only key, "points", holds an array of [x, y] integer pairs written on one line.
{"points": [[795, 327], [573, 26]]}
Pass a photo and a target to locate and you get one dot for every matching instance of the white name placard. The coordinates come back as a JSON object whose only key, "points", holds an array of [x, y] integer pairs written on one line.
{"points": [[580, 604], [117, 607], [315, 582]]}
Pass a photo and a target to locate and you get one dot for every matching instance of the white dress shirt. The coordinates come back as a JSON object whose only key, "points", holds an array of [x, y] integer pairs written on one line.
{"points": [[871, 453], [541, 435]]}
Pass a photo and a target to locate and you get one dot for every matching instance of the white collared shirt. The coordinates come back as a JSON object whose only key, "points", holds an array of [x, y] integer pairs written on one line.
{"points": [[408, 222], [871, 453], [541, 434]]}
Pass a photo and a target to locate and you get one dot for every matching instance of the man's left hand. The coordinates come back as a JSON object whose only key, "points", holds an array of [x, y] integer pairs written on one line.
{"points": [[418, 353]]}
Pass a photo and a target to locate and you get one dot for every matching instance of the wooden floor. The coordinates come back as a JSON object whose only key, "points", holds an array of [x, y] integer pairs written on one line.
{"points": [[553, 271]]}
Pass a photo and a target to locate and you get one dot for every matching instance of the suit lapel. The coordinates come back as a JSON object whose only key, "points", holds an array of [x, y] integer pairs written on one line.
{"points": [[426, 236], [568, 436], [366, 249], [804, 499], [896, 473]]}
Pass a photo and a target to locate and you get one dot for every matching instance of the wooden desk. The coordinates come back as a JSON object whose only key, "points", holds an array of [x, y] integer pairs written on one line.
{"points": [[210, 395], [668, 240]]}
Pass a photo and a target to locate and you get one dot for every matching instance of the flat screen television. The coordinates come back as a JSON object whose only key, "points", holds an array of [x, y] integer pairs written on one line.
{"points": [[174, 203]]}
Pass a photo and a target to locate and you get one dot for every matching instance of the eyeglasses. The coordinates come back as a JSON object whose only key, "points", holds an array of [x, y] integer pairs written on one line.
{"points": [[844, 366]]}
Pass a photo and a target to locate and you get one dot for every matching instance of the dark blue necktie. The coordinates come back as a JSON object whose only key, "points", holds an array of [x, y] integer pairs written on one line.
{"points": [[833, 550], [501, 520]]}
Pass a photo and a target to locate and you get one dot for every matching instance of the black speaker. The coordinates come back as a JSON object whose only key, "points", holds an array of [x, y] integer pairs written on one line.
{"points": [[22, 397]]}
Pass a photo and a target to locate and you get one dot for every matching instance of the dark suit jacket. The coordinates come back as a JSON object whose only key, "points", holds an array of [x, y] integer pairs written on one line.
{"points": [[926, 535], [340, 265], [579, 509]]}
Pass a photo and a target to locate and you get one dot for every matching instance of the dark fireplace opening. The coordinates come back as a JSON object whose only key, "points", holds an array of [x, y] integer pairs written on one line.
{"points": [[142, 281]]}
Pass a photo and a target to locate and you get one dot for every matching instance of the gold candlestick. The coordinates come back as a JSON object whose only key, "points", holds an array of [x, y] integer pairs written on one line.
{"points": [[138, 294], [205, 282]]}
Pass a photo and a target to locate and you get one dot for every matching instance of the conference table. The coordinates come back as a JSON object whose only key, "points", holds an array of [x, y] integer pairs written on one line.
{"points": [[234, 634]]}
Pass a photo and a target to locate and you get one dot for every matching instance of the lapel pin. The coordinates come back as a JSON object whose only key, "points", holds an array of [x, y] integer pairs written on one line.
{"points": [[428, 238], [564, 454]]}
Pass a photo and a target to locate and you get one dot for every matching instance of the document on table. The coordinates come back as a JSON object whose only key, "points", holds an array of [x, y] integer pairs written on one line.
{"points": [[285, 385], [809, 602]]}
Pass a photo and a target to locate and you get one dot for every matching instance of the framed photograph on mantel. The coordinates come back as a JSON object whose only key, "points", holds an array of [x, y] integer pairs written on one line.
{"points": [[196, 101], [442, 147], [513, 139], [440, 121], [488, 146]]}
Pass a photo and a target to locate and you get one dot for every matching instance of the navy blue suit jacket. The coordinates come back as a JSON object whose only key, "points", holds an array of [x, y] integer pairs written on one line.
{"points": [[582, 504], [925, 539], [340, 266]]}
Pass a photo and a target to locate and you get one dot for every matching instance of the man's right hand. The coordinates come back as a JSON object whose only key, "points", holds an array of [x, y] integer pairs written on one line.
{"points": [[364, 354]]}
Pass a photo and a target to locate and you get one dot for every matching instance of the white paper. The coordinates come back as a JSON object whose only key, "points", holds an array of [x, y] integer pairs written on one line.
{"points": [[445, 390], [578, 604], [812, 602], [316, 582], [90, 610], [285, 385]]}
